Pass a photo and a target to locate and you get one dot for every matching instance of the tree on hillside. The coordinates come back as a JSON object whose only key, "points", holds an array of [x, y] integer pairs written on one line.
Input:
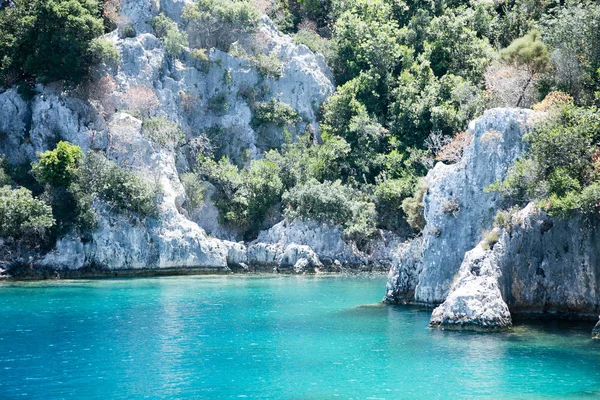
{"points": [[530, 54], [48, 40]]}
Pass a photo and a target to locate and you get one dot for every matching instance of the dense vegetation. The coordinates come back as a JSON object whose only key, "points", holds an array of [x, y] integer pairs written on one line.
{"points": [[410, 74], [51, 40], [61, 196], [561, 171], [408, 71]]}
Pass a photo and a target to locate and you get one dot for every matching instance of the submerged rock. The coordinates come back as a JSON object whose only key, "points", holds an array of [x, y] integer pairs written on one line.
{"points": [[596, 331]]}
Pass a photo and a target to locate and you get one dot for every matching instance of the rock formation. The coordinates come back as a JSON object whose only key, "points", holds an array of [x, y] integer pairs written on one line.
{"points": [[534, 265], [184, 89]]}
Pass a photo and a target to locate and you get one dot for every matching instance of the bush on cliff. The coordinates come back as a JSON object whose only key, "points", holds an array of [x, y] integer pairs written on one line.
{"points": [[561, 170], [167, 30], [335, 204], [123, 190], [243, 197], [48, 40], [22, 216]]}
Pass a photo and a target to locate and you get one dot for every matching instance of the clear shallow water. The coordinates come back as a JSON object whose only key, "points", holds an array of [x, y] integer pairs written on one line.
{"points": [[268, 337]]}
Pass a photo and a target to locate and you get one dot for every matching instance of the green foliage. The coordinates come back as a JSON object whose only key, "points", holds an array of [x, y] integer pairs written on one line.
{"points": [[413, 207], [528, 51], [389, 194], [103, 51], [243, 197], [22, 216], [560, 169], [332, 203], [218, 103], [194, 191], [573, 31], [127, 31], [4, 177], [162, 131], [219, 22], [48, 40], [273, 112], [490, 238], [324, 202], [166, 29], [268, 64], [315, 42], [120, 188], [200, 54], [58, 167]]}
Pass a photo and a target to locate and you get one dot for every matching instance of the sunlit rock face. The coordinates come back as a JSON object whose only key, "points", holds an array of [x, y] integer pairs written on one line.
{"points": [[457, 208], [102, 119], [475, 301], [541, 267], [536, 266]]}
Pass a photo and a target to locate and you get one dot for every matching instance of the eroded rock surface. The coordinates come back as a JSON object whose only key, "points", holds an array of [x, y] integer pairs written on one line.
{"points": [[475, 301]]}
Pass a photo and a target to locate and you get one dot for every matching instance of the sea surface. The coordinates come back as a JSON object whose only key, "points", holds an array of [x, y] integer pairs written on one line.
{"points": [[269, 337]]}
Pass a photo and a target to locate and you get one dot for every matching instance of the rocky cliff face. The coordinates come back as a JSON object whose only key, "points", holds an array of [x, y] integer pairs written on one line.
{"points": [[456, 207], [533, 266], [213, 95]]}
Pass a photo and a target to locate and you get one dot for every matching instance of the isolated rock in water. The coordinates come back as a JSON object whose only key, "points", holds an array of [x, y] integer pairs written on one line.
{"points": [[596, 331], [475, 301]]}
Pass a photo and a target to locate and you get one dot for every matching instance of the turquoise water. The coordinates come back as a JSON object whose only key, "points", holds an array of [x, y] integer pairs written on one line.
{"points": [[283, 337]]}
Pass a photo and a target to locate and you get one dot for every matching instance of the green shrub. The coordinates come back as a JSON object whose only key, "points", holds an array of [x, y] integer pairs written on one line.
{"points": [[490, 238], [4, 177], [325, 202], [413, 207], [194, 191], [335, 204], [60, 171], [127, 31], [315, 42], [58, 167], [22, 216], [274, 112], [219, 22], [175, 42], [167, 30], [48, 40], [243, 197], [162, 131], [218, 103], [268, 65], [103, 51], [121, 189], [200, 54], [389, 195], [558, 171]]}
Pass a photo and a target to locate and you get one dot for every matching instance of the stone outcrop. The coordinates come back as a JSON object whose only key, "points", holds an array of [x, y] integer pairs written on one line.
{"points": [[534, 266], [475, 301], [541, 267], [596, 331], [327, 242], [457, 208], [185, 88]]}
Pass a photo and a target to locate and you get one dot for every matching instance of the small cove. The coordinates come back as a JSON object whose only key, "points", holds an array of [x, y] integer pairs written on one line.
{"points": [[284, 337]]}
